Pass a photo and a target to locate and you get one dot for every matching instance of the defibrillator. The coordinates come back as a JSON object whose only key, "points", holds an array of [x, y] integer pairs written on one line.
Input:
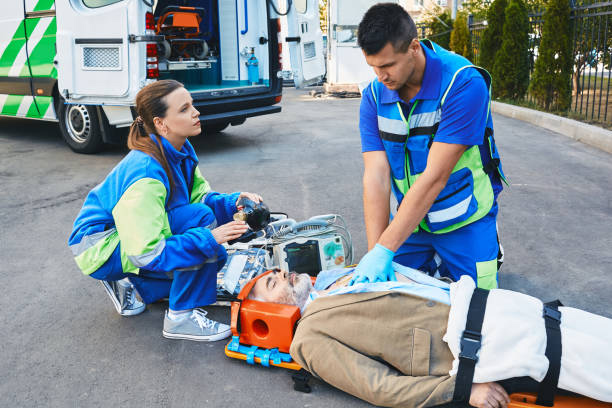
{"points": [[319, 243]]}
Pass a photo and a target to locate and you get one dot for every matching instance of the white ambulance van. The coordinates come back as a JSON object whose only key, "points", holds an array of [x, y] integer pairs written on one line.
{"points": [[81, 62]]}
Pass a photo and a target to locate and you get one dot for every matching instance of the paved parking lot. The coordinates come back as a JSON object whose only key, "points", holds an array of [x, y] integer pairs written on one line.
{"points": [[64, 345]]}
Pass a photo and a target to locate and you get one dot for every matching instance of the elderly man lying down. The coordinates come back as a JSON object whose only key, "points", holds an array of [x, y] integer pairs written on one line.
{"points": [[397, 343]]}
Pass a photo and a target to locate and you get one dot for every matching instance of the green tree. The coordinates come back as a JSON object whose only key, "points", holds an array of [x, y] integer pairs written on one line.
{"points": [[550, 84], [440, 28], [492, 36], [476, 8], [460, 41], [511, 66]]}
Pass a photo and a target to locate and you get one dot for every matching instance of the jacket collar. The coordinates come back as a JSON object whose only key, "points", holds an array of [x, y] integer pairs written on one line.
{"points": [[173, 155], [430, 87]]}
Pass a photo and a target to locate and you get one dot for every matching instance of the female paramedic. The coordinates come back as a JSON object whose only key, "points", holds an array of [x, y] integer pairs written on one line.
{"points": [[154, 225]]}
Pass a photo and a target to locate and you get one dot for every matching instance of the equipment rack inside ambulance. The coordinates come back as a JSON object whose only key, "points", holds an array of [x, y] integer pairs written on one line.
{"points": [[82, 62]]}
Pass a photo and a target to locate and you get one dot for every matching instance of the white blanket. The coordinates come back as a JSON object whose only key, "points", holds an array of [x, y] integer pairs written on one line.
{"points": [[514, 341]]}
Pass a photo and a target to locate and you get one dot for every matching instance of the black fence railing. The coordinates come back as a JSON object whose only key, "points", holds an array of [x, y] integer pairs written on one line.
{"points": [[592, 56], [592, 46]]}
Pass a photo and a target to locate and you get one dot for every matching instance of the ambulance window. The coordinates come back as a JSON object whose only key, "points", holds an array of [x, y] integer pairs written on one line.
{"points": [[99, 3], [300, 6]]}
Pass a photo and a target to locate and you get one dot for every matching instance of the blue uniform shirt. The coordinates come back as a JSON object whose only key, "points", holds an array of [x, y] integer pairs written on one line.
{"points": [[464, 113]]}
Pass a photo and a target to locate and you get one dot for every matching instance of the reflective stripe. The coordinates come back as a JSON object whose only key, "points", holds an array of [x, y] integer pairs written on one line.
{"points": [[426, 119], [145, 259], [50, 114], [451, 212], [486, 273], [212, 225], [211, 260], [394, 126], [453, 80], [90, 240], [24, 106], [203, 197], [18, 62], [33, 39], [2, 100]]}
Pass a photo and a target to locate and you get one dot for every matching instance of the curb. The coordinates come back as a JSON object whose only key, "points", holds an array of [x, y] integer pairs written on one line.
{"points": [[588, 134]]}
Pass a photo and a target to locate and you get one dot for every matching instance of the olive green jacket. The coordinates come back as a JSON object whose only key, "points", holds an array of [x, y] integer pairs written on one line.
{"points": [[383, 347]]}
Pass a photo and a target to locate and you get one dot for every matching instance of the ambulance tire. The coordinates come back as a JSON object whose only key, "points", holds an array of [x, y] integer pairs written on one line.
{"points": [[80, 127], [215, 127]]}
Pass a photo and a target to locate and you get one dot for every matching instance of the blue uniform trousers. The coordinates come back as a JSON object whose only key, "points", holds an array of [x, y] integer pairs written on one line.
{"points": [[185, 289], [470, 250]]}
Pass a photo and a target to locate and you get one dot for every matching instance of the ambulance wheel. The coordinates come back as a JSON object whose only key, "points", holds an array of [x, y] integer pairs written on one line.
{"points": [[80, 127], [215, 127]]}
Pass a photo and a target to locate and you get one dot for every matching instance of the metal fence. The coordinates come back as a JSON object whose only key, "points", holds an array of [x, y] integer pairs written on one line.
{"points": [[592, 61], [592, 46]]}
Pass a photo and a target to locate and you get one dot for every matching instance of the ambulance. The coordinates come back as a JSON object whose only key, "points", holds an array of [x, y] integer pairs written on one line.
{"points": [[82, 62]]}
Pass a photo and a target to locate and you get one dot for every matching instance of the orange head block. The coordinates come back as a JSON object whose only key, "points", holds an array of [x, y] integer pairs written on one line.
{"points": [[263, 324]]}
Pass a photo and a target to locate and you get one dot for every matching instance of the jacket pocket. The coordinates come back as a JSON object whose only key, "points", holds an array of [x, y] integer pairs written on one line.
{"points": [[396, 154], [421, 352], [418, 150], [455, 203]]}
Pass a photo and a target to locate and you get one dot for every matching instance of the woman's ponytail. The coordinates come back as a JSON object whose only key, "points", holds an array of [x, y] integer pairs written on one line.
{"points": [[150, 103]]}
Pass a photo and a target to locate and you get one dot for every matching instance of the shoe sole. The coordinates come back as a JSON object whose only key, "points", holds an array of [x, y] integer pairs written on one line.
{"points": [[111, 294], [215, 337]]}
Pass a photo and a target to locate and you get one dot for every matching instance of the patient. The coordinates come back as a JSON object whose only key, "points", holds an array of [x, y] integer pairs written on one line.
{"points": [[397, 343]]}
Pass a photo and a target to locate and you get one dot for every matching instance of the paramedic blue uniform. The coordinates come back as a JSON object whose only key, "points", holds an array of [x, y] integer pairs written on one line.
{"points": [[462, 119], [135, 225]]}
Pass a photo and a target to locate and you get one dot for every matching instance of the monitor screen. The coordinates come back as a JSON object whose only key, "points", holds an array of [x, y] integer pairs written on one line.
{"points": [[304, 258]]}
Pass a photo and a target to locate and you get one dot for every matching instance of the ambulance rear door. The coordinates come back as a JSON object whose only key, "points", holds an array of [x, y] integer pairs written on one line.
{"points": [[305, 42], [15, 81], [40, 30], [97, 61]]}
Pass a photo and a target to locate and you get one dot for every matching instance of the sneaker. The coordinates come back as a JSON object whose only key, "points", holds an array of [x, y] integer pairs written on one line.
{"points": [[195, 326], [123, 295]]}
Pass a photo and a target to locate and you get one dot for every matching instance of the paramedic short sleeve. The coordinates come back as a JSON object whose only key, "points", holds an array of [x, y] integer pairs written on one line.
{"points": [[464, 113], [368, 123]]}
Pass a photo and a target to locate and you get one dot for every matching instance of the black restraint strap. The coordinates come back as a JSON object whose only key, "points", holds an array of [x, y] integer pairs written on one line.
{"points": [[548, 386], [470, 344]]}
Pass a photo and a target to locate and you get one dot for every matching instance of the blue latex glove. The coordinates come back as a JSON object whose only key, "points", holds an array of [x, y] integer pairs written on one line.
{"points": [[375, 266]]}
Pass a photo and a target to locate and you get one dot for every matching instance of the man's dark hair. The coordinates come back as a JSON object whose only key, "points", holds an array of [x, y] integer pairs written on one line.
{"points": [[384, 23]]}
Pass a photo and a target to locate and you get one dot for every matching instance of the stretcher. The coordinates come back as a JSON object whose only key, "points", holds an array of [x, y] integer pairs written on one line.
{"points": [[262, 333]]}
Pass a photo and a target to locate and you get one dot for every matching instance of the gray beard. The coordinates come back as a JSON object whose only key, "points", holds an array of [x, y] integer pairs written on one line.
{"points": [[298, 294]]}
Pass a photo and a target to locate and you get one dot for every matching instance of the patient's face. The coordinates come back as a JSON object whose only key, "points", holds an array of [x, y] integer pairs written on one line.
{"points": [[283, 287]]}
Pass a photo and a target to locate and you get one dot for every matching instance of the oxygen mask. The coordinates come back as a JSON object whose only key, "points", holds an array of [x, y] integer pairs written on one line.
{"points": [[256, 215]]}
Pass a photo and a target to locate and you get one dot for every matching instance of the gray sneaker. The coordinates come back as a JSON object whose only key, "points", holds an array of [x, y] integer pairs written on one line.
{"points": [[195, 326], [123, 295]]}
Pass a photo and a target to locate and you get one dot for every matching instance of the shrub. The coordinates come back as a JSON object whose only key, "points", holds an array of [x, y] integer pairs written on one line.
{"points": [[460, 41], [550, 84], [492, 36], [511, 66], [440, 33]]}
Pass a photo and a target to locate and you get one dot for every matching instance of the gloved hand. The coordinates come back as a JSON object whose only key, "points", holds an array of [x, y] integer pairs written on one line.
{"points": [[375, 266]]}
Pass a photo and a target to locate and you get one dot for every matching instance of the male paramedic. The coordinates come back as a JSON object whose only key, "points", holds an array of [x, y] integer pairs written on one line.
{"points": [[427, 135], [397, 343]]}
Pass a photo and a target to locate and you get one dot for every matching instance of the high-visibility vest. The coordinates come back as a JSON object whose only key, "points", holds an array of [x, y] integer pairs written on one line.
{"points": [[468, 195]]}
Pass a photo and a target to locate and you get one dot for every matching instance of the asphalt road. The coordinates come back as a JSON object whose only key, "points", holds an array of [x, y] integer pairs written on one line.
{"points": [[64, 345]]}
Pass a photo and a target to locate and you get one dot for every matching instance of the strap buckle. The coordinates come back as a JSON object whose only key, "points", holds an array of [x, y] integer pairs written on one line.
{"points": [[470, 344], [550, 313]]}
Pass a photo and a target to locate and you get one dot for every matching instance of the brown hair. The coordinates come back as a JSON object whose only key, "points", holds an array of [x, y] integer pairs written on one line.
{"points": [[150, 103]]}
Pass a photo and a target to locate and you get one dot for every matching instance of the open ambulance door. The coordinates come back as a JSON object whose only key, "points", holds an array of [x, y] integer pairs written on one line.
{"points": [[305, 42], [96, 61]]}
